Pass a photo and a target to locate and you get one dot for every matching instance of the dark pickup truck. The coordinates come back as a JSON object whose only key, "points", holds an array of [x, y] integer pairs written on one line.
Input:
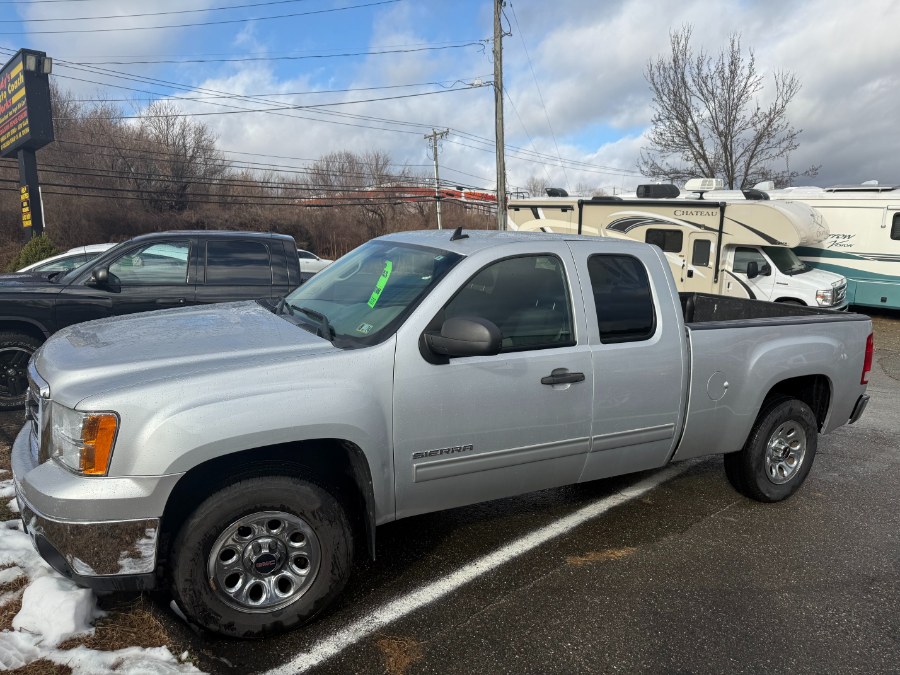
{"points": [[153, 271]]}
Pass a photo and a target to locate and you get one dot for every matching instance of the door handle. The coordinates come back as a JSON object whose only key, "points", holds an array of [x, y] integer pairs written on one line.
{"points": [[562, 376], [170, 301]]}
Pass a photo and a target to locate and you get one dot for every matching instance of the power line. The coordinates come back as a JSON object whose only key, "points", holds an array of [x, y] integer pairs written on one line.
{"points": [[205, 23], [167, 115], [538, 87], [299, 57], [437, 83], [519, 153], [174, 11]]}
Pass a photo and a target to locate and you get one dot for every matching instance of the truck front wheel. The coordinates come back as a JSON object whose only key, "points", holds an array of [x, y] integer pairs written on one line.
{"points": [[261, 556], [778, 454], [15, 351]]}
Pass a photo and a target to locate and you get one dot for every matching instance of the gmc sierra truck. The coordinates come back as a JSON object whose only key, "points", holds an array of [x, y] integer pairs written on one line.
{"points": [[237, 454], [153, 271]]}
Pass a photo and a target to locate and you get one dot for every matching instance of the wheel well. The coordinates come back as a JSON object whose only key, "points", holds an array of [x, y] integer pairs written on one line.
{"points": [[791, 301], [25, 328], [813, 390], [338, 466]]}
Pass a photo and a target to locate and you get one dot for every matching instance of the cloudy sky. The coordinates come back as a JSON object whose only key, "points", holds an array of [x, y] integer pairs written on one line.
{"points": [[387, 72]]}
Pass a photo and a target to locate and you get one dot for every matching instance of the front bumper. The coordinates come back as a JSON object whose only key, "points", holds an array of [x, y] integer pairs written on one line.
{"points": [[107, 556], [67, 518]]}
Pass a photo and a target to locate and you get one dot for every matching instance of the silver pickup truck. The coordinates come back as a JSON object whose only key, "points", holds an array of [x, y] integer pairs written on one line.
{"points": [[237, 454]]}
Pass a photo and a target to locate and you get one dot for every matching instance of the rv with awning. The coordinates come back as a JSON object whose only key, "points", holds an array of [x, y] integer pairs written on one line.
{"points": [[734, 248]]}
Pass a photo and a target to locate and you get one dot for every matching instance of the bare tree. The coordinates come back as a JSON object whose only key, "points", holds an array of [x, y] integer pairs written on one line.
{"points": [[709, 118], [180, 157], [536, 185]]}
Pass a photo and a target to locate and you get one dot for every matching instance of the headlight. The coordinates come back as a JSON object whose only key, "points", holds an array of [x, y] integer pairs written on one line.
{"points": [[83, 442], [825, 297]]}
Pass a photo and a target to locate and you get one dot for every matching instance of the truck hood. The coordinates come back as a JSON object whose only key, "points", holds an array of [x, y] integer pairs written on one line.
{"points": [[17, 281], [97, 356]]}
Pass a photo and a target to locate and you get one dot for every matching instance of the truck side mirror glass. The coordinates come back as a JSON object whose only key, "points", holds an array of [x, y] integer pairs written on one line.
{"points": [[752, 269], [465, 336], [766, 270]]}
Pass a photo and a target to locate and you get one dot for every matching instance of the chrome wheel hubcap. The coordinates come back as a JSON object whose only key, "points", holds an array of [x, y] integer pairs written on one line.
{"points": [[264, 561], [785, 452]]}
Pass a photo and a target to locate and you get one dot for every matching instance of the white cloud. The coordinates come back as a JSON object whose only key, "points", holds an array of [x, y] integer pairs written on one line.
{"points": [[589, 59]]}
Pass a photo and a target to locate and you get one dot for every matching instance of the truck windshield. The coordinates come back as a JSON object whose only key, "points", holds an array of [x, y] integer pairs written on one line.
{"points": [[364, 296], [786, 260]]}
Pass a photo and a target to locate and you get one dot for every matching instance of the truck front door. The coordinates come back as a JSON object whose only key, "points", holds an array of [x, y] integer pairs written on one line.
{"points": [[472, 429], [761, 286], [145, 277]]}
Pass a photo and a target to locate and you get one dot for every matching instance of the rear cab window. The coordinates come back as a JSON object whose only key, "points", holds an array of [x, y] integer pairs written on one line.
{"points": [[623, 298]]}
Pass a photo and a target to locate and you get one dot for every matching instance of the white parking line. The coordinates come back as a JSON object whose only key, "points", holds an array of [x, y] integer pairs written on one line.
{"points": [[396, 609]]}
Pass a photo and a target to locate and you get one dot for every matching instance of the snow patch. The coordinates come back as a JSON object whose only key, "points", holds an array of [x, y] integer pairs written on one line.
{"points": [[54, 608]]}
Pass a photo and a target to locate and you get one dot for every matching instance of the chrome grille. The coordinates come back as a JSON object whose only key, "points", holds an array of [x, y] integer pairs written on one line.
{"points": [[840, 293], [37, 412], [33, 417]]}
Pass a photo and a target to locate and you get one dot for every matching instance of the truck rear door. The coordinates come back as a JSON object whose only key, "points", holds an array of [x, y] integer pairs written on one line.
{"points": [[482, 427], [638, 350], [240, 269]]}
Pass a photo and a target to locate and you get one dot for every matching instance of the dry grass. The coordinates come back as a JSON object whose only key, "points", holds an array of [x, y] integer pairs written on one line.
{"points": [[133, 625], [5, 449], [9, 610], [600, 556], [399, 653], [42, 667]]}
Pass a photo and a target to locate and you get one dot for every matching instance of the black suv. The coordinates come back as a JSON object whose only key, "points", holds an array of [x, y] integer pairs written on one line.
{"points": [[153, 271]]}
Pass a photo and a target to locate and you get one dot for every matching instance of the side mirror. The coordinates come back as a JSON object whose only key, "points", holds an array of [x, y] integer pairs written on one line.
{"points": [[465, 336], [100, 276], [752, 269], [766, 270]]}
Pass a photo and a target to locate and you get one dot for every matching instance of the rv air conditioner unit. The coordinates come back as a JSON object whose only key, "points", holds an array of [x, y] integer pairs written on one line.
{"points": [[704, 184], [657, 191], [556, 192]]}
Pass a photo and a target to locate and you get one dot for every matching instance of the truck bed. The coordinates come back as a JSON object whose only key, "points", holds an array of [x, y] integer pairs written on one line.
{"points": [[705, 311]]}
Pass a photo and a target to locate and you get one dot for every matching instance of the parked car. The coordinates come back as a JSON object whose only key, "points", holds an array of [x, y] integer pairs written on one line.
{"points": [[153, 271], [242, 453], [74, 257], [310, 263]]}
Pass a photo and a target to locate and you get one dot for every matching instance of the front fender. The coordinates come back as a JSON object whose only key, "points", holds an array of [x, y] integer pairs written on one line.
{"points": [[171, 427]]}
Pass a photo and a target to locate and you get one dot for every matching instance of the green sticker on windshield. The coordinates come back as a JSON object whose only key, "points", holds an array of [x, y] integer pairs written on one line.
{"points": [[382, 282]]}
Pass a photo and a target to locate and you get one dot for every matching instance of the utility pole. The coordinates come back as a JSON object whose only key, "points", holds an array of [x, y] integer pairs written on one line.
{"points": [[498, 115], [435, 136]]}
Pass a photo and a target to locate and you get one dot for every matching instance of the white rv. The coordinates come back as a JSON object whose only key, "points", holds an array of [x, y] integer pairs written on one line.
{"points": [[739, 248], [864, 244]]}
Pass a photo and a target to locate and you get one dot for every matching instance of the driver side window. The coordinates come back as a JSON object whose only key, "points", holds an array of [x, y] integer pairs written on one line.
{"points": [[159, 263], [744, 255], [526, 297]]}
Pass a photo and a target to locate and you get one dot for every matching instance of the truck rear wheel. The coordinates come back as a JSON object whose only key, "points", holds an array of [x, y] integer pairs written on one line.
{"points": [[261, 556], [778, 454], [15, 351]]}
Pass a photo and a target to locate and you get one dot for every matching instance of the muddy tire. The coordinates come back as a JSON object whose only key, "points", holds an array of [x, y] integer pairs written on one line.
{"points": [[261, 556], [15, 352], [778, 454]]}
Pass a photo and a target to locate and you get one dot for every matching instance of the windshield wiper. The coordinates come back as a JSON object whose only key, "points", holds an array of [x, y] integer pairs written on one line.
{"points": [[283, 304], [325, 328]]}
